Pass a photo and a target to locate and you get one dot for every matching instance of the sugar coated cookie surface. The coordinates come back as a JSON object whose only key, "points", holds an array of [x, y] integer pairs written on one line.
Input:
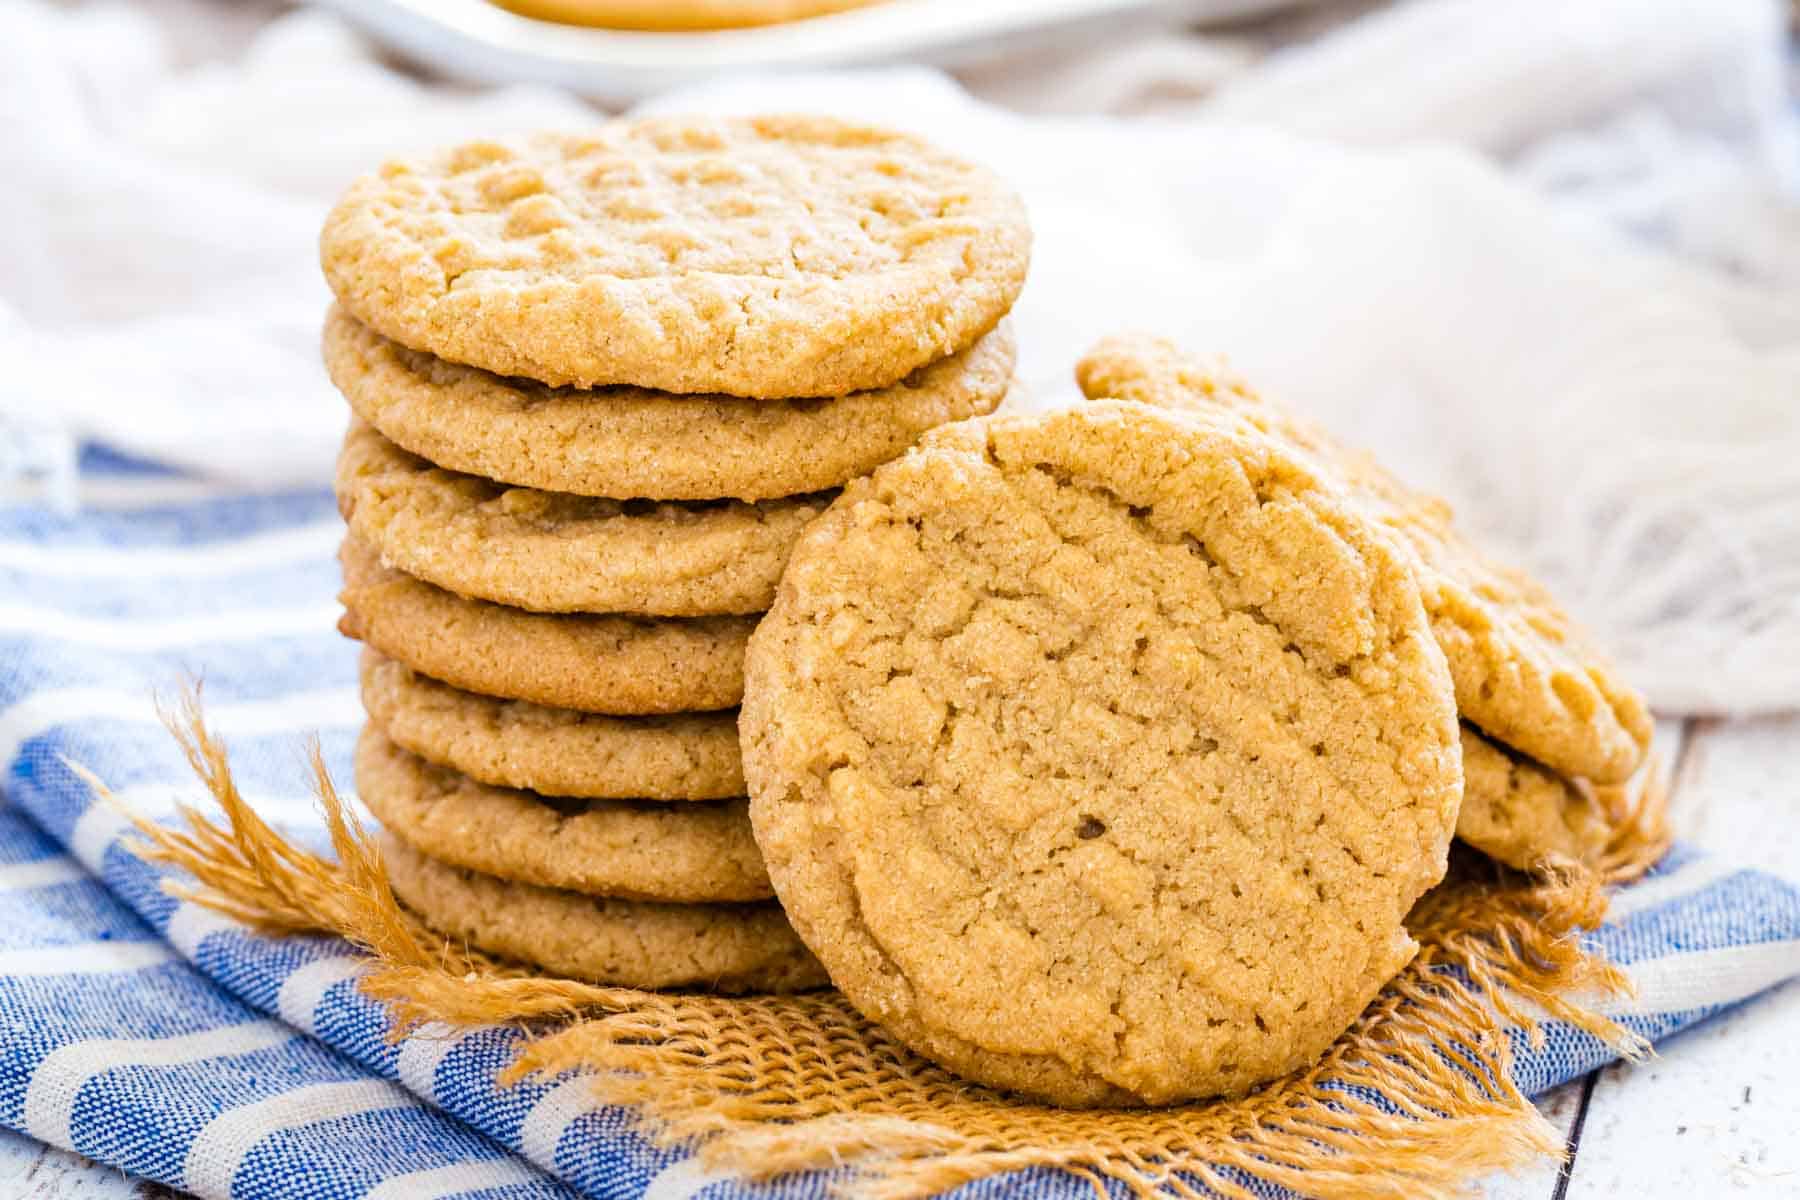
{"points": [[553, 552], [625, 943], [1525, 674], [1099, 755], [627, 442], [766, 257], [632, 850], [603, 664], [556, 751]]}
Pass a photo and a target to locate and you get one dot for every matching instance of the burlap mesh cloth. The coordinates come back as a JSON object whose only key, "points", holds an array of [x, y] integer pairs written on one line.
{"points": [[1414, 1100]]}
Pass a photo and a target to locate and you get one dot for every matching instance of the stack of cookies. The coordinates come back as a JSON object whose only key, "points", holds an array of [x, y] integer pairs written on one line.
{"points": [[601, 383]]}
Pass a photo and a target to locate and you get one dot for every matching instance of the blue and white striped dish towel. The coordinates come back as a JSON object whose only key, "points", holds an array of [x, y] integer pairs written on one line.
{"points": [[160, 1038]]}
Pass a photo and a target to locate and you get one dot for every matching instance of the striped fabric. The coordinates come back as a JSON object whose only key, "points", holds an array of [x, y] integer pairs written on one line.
{"points": [[160, 1038]]}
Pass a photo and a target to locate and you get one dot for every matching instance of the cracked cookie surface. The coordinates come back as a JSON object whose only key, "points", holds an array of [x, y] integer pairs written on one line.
{"points": [[633, 850], [1099, 755], [1525, 674], [555, 751], [604, 664], [628, 442], [625, 943], [765, 257], [553, 552]]}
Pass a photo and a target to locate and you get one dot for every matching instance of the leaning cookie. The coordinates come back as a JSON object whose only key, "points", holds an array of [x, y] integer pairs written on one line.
{"points": [[624, 943], [631, 442], [595, 663], [556, 751], [556, 553], [687, 853], [1100, 755], [766, 257], [1525, 673]]}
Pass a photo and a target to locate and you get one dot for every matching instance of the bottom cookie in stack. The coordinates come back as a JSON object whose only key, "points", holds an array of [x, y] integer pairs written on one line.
{"points": [[732, 948], [626, 892]]}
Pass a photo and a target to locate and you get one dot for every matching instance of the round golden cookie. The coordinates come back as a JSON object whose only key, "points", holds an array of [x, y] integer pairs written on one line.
{"points": [[1100, 754], [630, 442], [552, 552], [1525, 815], [1525, 673], [623, 943], [686, 853], [675, 15], [604, 664], [767, 257], [557, 751]]}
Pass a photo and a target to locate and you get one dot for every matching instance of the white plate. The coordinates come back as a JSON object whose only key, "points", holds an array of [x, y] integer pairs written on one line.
{"points": [[475, 40]]}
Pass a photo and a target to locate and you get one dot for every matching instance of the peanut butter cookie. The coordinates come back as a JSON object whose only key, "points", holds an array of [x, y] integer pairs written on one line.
{"points": [[767, 257], [558, 751], [627, 442], [553, 552], [624, 943], [688, 853], [1100, 754], [1525, 673], [603, 664], [1525, 815]]}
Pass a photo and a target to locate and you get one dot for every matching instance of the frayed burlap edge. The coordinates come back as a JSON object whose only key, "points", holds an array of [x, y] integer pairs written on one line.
{"points": [[1415, 1100]]}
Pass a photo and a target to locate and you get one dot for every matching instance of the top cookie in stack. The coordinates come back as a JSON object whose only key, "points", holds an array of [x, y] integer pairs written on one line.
{"points": [[600, 383], [767, 258]]}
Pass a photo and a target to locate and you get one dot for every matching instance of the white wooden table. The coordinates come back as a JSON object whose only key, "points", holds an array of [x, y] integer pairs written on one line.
{"points": [[1715, 1114]]}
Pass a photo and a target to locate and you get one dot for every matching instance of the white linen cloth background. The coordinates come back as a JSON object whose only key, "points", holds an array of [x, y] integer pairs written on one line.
{"points": [[1544, 258]]}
